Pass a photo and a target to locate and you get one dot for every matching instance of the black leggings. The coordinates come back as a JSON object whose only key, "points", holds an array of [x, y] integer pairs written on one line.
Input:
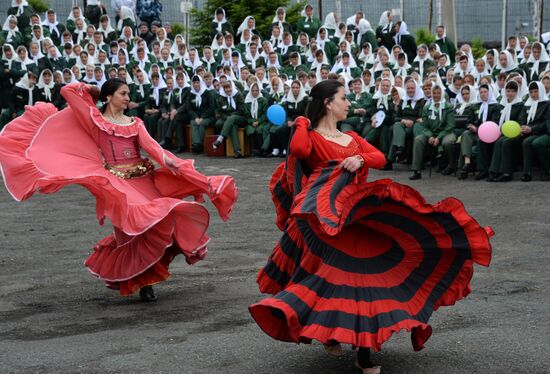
{"points": [[363, 358]]}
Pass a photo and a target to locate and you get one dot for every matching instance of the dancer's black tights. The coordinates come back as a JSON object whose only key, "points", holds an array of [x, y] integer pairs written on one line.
{"points": [[363, 358]]}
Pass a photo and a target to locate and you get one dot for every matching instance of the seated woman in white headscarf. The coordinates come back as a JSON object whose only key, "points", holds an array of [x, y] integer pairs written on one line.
{"points": [[127, 18], [10, 32], [23, 93], [505, 64], [220, 23], [385, 30], [109, 33], [280, 20], [537, 62]]}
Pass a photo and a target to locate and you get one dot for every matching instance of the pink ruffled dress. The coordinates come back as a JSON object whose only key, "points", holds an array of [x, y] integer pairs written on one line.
{"points": [[45, 150]]}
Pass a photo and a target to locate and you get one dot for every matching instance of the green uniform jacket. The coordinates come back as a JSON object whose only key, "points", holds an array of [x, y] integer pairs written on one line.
{"points": [[493, 115], [540, 125], [447, 46], [331, 50], [390, 113], [408, 44], [294, 110], [224, 110], [136, 96], [369, 37], [166, 102], [364, 102], [427, 64], [385, 37], [16, 41], [262, 111], [292, 72], [259, 62], [355, 72], [435, 126], [150, 102], [408, 112], [19, 97], [205, 110], [24, 19], [529, 68], [309, 27], [226, 27], [179, 99]]}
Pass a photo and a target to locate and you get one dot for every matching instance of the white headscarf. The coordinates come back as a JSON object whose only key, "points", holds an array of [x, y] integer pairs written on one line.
{"points": [[196, 61], [533, 104], [13, 55], [71, 16], [24, 84], [484, 107], [11, 32], [198, 94], [106, 31], [219, 23], [244, 25], [52, 26], [234, 91], [366, 58], [418, 95], [140, 85], [403, 30], [278, 21], [507, 110], [253, 100], [543, 58], [125, 13], [330, 22], [510, 64], [25, 61], [157, 88], [422, 60], [81, 33], [215, 46], [385, 23], [381, 99], [290, 98], [20, 7], [462, 104]]}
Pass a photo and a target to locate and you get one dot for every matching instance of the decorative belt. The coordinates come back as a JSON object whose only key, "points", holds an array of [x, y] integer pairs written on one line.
{"points": [[132, 170]]}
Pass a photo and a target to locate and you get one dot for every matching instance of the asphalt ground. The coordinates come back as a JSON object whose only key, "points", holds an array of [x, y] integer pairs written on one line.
{"points": [[55, 317]]}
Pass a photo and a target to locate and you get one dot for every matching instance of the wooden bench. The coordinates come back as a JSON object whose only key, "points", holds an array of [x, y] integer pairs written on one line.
{"points": [[243, 140]]}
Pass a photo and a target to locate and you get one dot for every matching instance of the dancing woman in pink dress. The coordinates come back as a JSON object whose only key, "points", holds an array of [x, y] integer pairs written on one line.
{"points": [[45, 150]]}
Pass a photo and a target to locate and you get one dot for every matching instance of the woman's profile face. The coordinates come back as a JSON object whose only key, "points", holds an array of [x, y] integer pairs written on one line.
{"points": [[120, 98], [339, 106]]}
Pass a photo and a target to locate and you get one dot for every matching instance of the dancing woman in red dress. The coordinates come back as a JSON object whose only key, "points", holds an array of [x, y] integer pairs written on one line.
{"points": [[358, 261], [45, 150]]}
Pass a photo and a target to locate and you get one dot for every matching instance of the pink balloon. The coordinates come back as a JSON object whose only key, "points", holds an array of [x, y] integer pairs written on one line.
{"points": [[488, 132]]}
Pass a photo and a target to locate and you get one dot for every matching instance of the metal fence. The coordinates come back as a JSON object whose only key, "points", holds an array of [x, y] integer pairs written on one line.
{"points": [[473, 17]]}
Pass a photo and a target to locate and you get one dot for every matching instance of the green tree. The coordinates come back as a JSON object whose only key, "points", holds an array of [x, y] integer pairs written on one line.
{"points": [[39, 6], [477, 48], [424, 36], [236, 11]]}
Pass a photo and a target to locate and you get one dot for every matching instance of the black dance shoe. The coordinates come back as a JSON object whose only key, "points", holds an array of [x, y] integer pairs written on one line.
{"points": [[526, 177], [482, 175], [415, 175], [505, 178], [147, 294]]}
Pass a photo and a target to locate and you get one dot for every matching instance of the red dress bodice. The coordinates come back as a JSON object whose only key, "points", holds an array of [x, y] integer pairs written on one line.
{"points": [[118, 150]]}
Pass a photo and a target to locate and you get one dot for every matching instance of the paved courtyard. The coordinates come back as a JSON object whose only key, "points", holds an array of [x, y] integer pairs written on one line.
{"points": [[57, 318]]}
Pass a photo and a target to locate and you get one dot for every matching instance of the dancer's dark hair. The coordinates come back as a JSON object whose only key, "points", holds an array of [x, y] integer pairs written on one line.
{"points": [[321, 94], [109, 88]]}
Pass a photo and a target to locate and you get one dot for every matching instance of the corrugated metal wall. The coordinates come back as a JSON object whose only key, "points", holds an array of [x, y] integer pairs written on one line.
{"points": [[474, 17]]}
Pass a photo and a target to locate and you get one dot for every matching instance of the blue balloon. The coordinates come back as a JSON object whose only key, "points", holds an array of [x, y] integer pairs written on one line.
{"points": [[276, 115]]}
